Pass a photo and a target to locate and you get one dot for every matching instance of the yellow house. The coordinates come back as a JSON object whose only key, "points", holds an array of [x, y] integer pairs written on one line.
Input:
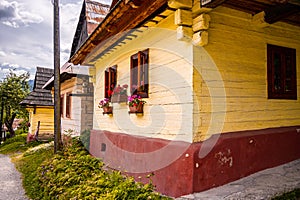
{"points": [[221, 82], [40, 105]]}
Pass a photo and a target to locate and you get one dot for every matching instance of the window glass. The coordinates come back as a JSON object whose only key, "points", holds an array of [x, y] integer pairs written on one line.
{"points": [[282, 82], [110, 80], [139, 73]]}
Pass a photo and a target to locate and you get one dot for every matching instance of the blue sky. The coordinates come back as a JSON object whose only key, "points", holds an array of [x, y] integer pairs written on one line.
{"points": [[26, 33]]}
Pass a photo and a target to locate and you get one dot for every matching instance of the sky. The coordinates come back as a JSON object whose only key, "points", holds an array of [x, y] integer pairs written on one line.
{"points": [[26, 33]]}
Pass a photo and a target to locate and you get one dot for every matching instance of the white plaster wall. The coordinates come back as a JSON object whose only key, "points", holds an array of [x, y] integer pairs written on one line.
{"points": [[73, 123]]}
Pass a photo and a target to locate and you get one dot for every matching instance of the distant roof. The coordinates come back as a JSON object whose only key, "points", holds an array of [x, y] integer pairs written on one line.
{"points": [[68, 71], [40, 96], [92, 14]]}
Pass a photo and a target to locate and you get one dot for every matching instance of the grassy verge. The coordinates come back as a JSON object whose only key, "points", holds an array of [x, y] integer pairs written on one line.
{"points": [[292, 195], [28, 164], [27, 158], [16, 144], [71, 174]]}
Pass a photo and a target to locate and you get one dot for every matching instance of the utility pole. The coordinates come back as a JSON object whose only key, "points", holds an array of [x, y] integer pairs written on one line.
{"points": [[1, 117], [57, 120]]}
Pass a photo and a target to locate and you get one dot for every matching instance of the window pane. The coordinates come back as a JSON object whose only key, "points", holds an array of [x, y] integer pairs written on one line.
{"points": [[139, 73], [106, 84], [62, 106], [110, 81], [277, 71], [68, 105], [288, 74], [134, 75]]}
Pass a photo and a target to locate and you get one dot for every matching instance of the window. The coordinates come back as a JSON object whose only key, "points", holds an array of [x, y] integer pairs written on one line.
{"points": [[62, 105], [68, 105], [110, 80], [282, 82], [139, 72]]}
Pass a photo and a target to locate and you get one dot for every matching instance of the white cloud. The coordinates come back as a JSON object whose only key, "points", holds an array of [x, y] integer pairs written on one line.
{"points": [[2, 53], [14, 14], [6, 67], [30, 43]]}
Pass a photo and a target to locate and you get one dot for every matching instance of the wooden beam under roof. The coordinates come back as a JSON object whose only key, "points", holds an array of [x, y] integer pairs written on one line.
{"points": [[119, 17], [275, 10], [279, 12], [211, 3]]}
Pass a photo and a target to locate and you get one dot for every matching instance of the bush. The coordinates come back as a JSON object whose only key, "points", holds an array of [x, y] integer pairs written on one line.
{"points": [[74, 174], [85, 139], [293, 195]]}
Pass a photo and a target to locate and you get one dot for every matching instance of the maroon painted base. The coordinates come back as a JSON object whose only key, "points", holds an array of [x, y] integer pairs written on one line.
{"points": [[177, 167]]}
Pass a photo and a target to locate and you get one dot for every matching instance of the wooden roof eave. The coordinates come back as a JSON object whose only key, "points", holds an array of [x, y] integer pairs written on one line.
{"points": [[274, 10], [117, 22]]}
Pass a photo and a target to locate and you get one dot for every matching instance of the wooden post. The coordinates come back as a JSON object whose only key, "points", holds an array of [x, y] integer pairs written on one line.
{"points": [[183, 17], [184, 33], [187, 4], [57, 121], [259, 20], [201, 22], [200, 38]]}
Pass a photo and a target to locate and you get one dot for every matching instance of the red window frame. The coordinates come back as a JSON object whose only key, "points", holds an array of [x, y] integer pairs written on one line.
{"points": [[68, 105], [110, 81], [281, 64], [62, 105], [139, 73]]}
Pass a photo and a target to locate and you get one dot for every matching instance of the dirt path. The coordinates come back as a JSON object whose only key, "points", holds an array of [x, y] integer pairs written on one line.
{"points": [[10, 181]]}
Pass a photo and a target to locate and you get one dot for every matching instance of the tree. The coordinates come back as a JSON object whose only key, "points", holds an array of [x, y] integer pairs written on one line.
{"points": [[13, 89]]}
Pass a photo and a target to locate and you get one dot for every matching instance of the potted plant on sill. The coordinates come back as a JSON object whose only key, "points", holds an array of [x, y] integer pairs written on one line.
{"points": [[119, 94], [105, 104], [136, 104]]}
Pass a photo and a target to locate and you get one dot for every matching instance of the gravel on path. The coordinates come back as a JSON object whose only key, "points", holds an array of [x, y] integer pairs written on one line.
{"points": [[10, 181]]}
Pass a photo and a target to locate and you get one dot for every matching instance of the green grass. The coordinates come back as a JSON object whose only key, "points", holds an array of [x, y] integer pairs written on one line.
{"points": [[71, 174], [292, 195], [16, 144], [28, 164]]}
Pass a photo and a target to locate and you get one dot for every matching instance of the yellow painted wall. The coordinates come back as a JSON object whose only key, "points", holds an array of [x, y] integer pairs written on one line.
{"points": [[237, 47], [45, 116], [167, 113]]}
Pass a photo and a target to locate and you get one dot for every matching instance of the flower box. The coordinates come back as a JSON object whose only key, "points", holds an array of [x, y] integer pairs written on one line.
{"points": [[107, 110], [136, 109], [136, 104], [106, 106]]}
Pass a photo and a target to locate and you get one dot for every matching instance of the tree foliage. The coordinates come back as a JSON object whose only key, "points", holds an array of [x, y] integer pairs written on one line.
{"points": [[13, 89]]}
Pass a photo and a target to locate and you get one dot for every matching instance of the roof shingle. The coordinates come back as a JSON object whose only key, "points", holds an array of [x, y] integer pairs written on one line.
{"points": [[39, 96]]}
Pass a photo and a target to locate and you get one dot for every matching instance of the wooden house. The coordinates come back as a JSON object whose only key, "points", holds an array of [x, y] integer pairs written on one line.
{"points": [[221, 81], [40, 105], [76, 99], [76, 90]]}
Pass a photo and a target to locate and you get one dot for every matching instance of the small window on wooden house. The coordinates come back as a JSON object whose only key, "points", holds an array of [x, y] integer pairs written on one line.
{"points": [[139, 73], [68, 105], [62, 105], [282, 82], [110, 81]]}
